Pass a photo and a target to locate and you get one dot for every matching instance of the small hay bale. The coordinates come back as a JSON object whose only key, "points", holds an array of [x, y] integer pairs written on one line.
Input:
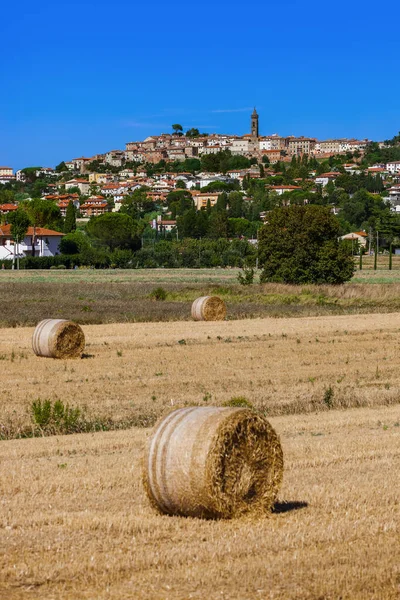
{"points": [[209, 308], [213, 462], [58, 338]]}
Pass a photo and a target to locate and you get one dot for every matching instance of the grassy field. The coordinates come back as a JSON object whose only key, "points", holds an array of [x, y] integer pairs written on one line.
{"points": [[89, 296], [74, 520]]}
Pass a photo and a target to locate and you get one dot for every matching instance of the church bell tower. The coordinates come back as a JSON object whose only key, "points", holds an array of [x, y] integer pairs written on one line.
{"points": [[254, 124]]}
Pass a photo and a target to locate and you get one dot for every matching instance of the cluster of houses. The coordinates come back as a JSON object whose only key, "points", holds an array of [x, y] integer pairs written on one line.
{"points": [[94, 193]]}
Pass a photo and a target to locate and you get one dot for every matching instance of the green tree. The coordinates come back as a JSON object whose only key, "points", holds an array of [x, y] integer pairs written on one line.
{"points": [[179, 202], [74, 243], [218, 225], [61, 167], [187, 224], [43, 213], [138, 204], [70, 218], [19, 222], [114, 230], [299, 244], [236, 205], [177, 128], [193, 132]]}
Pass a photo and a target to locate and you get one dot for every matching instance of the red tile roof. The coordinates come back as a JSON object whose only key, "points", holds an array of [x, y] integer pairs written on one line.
{"points": [[5, 231]]}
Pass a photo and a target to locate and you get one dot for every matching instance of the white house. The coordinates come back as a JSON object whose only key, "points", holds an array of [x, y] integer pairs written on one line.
{"points": [[163, 225], [281, 189], [37, 242], [325, 178], [205, 180], [240, 146], [393, 167]]}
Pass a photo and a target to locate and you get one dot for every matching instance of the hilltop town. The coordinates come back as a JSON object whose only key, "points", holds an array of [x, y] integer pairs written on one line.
{"points": [[169, 182]]}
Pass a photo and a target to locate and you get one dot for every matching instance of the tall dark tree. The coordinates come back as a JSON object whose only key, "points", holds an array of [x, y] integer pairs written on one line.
{"points": [[218, 225], [187, 224], [70, 218]]}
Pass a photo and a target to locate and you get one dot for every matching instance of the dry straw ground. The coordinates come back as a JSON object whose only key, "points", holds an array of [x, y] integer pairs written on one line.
{"points": [[137, 370], [75, 522], [74, 519]]}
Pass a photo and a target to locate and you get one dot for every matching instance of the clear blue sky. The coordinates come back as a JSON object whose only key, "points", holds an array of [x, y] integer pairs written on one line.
{"points": [[84, 77]]}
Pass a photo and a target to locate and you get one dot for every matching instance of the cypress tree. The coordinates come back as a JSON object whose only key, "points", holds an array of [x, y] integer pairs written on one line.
{"points": [[70, 218]]}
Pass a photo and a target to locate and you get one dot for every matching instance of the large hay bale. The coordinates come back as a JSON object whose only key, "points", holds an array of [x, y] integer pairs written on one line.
{"points": [[209, 308], [58, 338], [213, 462]]}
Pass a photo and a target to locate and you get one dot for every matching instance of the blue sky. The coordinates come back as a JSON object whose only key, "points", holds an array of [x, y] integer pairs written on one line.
{"points": [[84, 77]]}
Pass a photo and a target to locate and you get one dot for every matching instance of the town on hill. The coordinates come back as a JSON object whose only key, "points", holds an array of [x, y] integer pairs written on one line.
{"points": [[196, 185]]}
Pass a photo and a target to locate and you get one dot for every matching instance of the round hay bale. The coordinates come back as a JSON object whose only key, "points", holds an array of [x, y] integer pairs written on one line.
{"points": [[58, 338], [213, 462], [209, 308]]}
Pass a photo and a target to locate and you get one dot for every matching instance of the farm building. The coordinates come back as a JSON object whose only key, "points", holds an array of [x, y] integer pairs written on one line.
{"points": [[37, 242]]}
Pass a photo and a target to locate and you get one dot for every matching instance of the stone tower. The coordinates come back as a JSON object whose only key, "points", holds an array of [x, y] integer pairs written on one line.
{"points": [[254, 124]]}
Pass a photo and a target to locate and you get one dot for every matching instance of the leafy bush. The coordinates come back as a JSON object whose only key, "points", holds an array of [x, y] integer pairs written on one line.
{"points": [[246, 276], [238, 402], [57, 417], [158, 294]]}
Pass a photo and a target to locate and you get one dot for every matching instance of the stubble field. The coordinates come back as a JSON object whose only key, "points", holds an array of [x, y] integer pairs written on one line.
{"points": [[74, 520], [125, 296]]}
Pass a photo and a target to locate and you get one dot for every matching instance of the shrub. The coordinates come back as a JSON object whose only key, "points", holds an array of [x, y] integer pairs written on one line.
{"points": [[238, 402], [55, 418], [328, 397], [158, 294], [246, 276]]}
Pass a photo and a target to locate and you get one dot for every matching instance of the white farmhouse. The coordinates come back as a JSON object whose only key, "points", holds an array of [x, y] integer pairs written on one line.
{"points": [[37, 242]]}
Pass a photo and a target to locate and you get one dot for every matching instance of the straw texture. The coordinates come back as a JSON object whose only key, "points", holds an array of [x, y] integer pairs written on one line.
{"points": [[209, 308], [213, 462], [58, 338]]}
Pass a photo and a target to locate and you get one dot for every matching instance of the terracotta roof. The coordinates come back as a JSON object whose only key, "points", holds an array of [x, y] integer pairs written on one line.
{"points": [[8, 207], [94, 205], [333, 174], [284, 187], [5, 231]]}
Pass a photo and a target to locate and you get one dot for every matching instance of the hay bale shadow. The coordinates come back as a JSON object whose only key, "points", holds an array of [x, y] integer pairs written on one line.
{"points": [[283, 507]]}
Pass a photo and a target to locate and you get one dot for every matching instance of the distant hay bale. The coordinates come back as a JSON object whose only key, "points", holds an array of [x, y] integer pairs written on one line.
{"points": [[209, 308], [213, 462], [58, 338]]}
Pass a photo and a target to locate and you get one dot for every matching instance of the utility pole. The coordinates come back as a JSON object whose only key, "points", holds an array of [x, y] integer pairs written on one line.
{"points": [[33, 240], [17, 252]]}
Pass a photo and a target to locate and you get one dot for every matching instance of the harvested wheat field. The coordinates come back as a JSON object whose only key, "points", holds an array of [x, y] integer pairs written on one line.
{"points": [[75, 522], [132, 373]]}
